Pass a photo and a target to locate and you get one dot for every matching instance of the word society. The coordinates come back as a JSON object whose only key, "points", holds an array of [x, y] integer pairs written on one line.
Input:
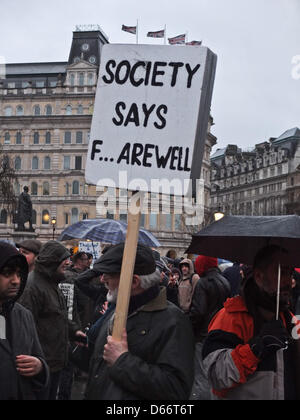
{"points": [[124, 72]]}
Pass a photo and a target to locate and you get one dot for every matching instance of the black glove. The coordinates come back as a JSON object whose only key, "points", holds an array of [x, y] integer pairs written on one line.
{"points": [[272, 337]]}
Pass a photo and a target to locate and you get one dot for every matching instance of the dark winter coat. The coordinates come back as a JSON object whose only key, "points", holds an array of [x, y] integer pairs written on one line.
{"points": [[159, 364], [48, 306], [210, 293], [97, 293], [22, 340]]}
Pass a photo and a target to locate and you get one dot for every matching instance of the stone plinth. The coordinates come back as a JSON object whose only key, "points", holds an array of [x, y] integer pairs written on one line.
{"points": [[18, 237]]}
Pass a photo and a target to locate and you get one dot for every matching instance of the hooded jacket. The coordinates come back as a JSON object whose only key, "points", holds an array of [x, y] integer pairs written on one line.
{"points": [[211, 291], [187, 286], [48, 305], [21, 339], [234, 372]]}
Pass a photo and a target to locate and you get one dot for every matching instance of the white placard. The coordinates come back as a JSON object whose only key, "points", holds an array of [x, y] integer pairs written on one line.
{"points": [[150, 116], [2, 328], [93, 248]]}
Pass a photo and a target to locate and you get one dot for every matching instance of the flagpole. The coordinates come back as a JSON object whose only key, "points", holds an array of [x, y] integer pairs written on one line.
{"points": [[137, 31], [165, 37], [186, 36]]}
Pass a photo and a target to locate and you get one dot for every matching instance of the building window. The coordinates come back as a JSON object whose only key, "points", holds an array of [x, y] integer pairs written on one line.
{"points": [[17, 188], [48, 138], [78, 163], [20, 110], [46, 188], [36, 138], [67, 163], [80, 110], [6, 138], [110, 215], [47, 163], [90, 79], [34, 188], [37, 110], [3, 217], [69, 110], [79, 137], [75, 188], [75, 216], [81, 79], [40, 84], [48, 110], [143, 220], [168, 221], [66, 218], [11, 85], [178, 222], [25, 85], [34, 217], [18, 163], [72, 79], [123, 218], [35, 163], [19, 138], [68, 137], [8, 111], [85, 216], [153, 221], [45, 217]]}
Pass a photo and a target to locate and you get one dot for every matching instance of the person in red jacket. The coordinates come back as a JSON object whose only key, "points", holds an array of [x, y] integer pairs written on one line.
{"points": [[248, 354]]}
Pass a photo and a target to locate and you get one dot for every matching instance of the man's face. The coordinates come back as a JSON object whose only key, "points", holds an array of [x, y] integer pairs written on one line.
{"points": [[185, 269], [30, 256], [267, 279], [82, 263], [175, 276], [111, 282], [63, 266], [10, 282]]}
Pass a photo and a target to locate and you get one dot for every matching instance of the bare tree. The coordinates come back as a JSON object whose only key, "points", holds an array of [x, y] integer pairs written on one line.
{"points": [[7, 179]]}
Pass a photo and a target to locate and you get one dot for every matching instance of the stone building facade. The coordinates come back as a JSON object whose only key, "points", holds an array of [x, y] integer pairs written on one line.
{"points": [[45, 118], [259, 182]]}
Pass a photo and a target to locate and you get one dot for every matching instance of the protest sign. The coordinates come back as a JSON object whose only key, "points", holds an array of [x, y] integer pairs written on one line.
{"points": [[90, 247], [151, 115], [150, 123]]}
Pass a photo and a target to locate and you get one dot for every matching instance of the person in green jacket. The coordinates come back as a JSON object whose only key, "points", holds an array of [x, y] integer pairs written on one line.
{"points": [[43, 297], [154, 359]]}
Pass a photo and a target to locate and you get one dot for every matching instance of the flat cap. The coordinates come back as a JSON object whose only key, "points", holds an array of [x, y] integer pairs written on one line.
{"points": [[31, 245], [111, 261]]}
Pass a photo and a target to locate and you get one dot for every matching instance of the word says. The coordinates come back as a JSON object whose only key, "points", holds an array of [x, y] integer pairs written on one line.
{"points": [[124, 72], [133, 115]]}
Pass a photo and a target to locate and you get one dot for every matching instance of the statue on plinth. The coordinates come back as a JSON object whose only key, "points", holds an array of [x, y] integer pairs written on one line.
{"points": [[24, 211]]}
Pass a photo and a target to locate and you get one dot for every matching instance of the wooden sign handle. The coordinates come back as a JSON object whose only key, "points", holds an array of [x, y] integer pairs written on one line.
{"points": [[121, 313]]}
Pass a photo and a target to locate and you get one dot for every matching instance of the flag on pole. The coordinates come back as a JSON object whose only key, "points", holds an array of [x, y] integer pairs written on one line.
{"points": [[179, 39], [130, 29], [194, 43], [157, 34]]}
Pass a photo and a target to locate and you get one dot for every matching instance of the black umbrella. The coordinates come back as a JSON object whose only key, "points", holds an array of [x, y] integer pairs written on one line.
{"points": [[239, 238]]}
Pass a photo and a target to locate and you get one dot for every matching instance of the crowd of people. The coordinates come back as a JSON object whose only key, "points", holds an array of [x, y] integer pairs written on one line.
{"points": [[196, 329]]}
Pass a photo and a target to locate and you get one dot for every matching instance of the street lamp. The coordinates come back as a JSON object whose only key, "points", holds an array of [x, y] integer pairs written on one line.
{"points": [[218, 215], [53, 222]]}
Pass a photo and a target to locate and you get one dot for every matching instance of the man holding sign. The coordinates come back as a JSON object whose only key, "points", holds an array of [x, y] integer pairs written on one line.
{"points": [[154, 358]]}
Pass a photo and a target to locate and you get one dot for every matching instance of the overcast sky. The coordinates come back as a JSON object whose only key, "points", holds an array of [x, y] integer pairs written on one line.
{"points": [[255, 95]]}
